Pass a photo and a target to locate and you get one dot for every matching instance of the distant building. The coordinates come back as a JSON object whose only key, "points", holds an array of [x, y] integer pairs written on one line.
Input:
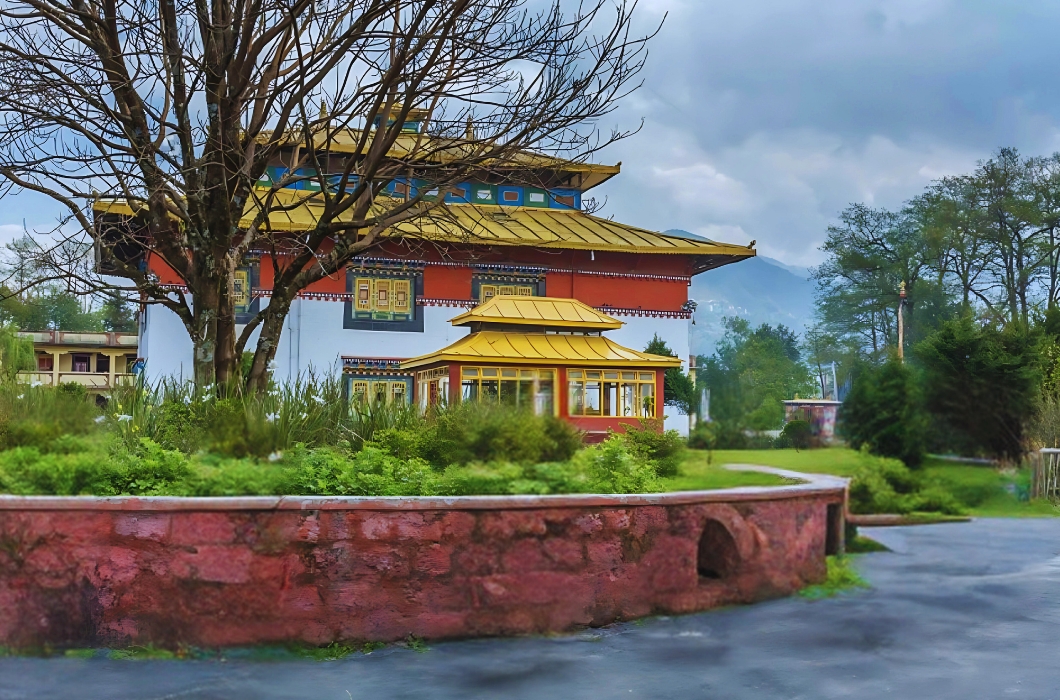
{"points": [[819, 413], [97, 361]]}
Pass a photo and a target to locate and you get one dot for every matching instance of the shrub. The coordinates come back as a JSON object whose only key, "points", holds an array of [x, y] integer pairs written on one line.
{"points": [[612, 467], [369, 472], [92, 468], [478, 432], [883, 485], [797, 434], [665, 450], [36, 416], [882, 412], [720, 435], [981, 384]]}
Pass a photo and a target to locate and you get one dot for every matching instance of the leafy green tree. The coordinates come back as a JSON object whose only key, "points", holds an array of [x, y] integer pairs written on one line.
{"points": [[752, 372], [883, 412], [679, 389], [16, 353], [871, 252], [54, 309], [980, 383], [118, 314]]}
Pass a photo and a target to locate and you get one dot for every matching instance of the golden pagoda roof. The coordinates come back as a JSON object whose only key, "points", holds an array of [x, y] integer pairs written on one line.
{"points": [[538, 311], [538, 348], [564, 229], [439, 150]]}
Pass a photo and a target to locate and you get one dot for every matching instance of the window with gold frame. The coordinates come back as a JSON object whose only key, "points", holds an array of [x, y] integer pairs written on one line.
{"points": [[385, 389], [531, 389], [486, 285], [611, 393], [381, 299]]}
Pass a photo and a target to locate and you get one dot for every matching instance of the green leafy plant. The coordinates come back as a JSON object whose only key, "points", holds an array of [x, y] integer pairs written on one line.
{"points": [[842, 577], [665, 449], [883, 413]]}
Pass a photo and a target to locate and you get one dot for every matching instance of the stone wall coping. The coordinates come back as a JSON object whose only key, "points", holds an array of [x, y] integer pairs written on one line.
{"points": [[812, 485]]}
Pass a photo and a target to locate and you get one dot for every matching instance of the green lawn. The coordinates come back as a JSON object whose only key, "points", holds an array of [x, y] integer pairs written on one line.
{"points": [[983, 490], [698, 474]]}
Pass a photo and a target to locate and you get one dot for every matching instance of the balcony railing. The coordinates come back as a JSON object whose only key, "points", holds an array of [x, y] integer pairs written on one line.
{"points": [[90, 380]]}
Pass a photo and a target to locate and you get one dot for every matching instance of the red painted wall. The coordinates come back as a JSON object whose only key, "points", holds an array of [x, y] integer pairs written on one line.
{"points": [[620, 292], [166, 274], [447, 282], [239, 571]]}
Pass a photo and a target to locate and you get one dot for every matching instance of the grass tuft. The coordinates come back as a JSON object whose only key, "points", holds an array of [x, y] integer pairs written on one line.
{"points": [[842, 577]]}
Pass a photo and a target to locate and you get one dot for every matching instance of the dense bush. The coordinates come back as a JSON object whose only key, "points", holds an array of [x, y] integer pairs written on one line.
{"points": [[883, 485], [797, 434], [980, 385], [665, 449], [36, 416], [882, 412], [476, 432]]}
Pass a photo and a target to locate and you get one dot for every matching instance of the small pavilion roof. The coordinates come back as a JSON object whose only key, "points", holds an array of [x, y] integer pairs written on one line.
{"points": [[538, 311], [542, 348]]}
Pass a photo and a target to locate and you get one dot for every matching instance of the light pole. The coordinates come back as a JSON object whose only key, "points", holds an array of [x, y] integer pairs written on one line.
{"points": [[901, 322]]}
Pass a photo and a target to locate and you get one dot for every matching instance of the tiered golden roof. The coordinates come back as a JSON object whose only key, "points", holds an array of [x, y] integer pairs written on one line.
{"points": [[538, 311], [565, 229], [542, 347]]}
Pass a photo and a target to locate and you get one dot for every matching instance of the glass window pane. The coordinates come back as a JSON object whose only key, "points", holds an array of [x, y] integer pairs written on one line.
{"points": [[489, 371], [647, 376], [526, 394], [509, 373], [629, 400], [527, 373], [647, 400], [592, 375], [592, 398], [629, 375], [573, 374], [543, 402], [610, 375], [610, 407], [509, 391], [490, 390], [469, 390], [576, 401], [546, 374], [470, 371]]}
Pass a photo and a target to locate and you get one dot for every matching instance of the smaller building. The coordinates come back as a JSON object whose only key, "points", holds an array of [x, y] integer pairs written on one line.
{"points": [[97, 361], [819, 413], [547, 355]]}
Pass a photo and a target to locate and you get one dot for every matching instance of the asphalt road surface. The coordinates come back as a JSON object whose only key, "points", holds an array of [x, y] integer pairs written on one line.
{"points": [[956, 611]]}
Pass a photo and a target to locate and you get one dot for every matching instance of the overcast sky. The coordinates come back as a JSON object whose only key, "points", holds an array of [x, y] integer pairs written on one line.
{"points": [[764, 119]]}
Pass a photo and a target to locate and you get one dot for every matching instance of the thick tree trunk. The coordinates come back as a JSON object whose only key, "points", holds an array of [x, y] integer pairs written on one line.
{"points": [[226, 364], [204, 334], [268, 341]]}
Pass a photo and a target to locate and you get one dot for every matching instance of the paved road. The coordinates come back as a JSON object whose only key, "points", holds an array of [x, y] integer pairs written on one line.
{"points": [[957, 611]]}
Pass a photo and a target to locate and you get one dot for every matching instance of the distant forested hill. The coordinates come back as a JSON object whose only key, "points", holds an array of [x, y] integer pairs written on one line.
{"points": [[760, 289]]}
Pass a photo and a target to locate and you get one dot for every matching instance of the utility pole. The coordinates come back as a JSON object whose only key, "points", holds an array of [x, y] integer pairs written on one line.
{"points": [[901, 322]]}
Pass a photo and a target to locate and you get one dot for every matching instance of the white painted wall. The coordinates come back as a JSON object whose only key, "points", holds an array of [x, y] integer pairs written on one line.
{"points": [[165, 344]]}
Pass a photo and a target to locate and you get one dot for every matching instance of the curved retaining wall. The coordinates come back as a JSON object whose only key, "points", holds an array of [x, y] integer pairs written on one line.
{"points": [[235, 571]]}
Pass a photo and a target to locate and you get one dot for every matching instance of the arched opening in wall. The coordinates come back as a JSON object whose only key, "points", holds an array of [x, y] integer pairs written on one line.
{"points": [[718, 556]]}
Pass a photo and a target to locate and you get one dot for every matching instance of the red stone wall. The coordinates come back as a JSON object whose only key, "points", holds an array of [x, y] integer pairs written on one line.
{"points": [[216, 572]]}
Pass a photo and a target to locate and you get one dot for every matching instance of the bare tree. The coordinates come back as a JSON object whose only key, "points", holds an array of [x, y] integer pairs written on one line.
{"points": [[176, 109]]}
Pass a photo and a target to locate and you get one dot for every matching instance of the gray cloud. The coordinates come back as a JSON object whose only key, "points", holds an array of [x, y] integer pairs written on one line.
{"points": [[763, 120]]}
